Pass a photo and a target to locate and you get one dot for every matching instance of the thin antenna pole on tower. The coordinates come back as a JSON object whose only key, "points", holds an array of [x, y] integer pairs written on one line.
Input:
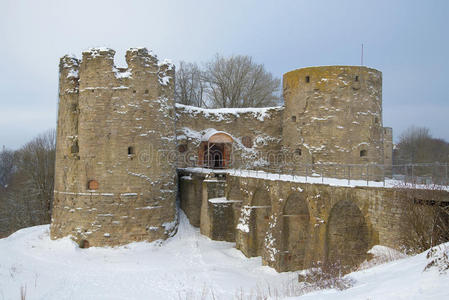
{"points": [[361, 58]]}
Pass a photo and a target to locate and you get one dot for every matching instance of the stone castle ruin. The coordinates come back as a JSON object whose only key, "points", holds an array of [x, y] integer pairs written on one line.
{"points": [[126, 153]]}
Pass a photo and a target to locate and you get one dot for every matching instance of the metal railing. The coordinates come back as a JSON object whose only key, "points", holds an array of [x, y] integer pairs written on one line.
{"points": [[416, 174]]}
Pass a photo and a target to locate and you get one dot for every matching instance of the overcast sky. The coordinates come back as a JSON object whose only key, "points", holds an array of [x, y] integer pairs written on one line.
{"points": [[407, 40]]}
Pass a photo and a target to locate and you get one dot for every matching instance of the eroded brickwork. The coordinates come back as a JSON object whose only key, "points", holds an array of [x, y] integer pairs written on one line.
{"points": [[115, 182], [333, 115]]}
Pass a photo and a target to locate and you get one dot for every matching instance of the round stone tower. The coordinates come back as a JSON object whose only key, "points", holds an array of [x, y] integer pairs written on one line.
{"points": [[333, 115], [115, 179]]}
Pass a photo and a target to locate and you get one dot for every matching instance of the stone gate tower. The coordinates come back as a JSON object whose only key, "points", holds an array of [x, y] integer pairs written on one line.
{"points": [[333, 115], [114, 181]]}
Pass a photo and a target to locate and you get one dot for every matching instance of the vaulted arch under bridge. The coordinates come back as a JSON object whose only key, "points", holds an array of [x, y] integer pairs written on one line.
{"points": [[295, 233], [347, 239]]}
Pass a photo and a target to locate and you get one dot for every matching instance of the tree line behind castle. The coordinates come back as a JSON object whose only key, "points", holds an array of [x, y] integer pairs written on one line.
{"points": [[27, 174]]}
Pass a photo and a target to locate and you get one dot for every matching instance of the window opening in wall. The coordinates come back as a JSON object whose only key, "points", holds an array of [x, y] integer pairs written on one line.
{"points": [[131, 151], [363, 153], [84, 244], [75, 148], [146, 91], [247, 141], [357, 78], [307, 79], [92, 185], [376, 120], [293, 118], [298, 151], [182, 148], [134, 91]]}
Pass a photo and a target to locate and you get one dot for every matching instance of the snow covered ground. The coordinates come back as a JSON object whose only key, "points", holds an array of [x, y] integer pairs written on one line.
{"points": [[183, 267], [401, 279], [186, 266]]}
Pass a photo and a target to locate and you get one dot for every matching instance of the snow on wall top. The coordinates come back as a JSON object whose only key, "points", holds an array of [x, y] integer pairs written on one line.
{"points": [[164, 71], [259, 113], [210, 132], [99, 51]]}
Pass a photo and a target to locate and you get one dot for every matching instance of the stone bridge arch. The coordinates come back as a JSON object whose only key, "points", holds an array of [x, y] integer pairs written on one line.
{"points": [[295, 233], [347, 237], [253, 223], [261, 205]]}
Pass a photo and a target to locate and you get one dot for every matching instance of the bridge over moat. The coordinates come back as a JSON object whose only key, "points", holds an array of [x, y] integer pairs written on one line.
{"points": [[293, 225]]}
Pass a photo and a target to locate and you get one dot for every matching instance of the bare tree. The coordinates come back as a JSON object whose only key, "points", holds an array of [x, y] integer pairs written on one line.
{"points": [[37, 160], [239, 82], [416, 145], [27, 188], [190, 86], [425, 217], [6, 167], [7, 170], [236, 81]]}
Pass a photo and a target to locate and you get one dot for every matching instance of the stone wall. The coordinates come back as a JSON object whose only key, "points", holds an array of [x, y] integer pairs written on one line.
{"points": [[191, 195], [388, 151], [115, 182], [261, 127], [293, 225]]}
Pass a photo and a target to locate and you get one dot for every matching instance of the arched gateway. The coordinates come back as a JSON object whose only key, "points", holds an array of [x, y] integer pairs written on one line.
{"points": [[215, 149]]}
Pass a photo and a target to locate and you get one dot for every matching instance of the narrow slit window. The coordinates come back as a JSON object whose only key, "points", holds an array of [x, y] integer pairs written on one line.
{"points": [[74, 149], [307, 79], [357, 78]]}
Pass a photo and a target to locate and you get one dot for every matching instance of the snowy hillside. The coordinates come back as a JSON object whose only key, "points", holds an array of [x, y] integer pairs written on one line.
{"points": [[400, 279], [186, 266]]}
